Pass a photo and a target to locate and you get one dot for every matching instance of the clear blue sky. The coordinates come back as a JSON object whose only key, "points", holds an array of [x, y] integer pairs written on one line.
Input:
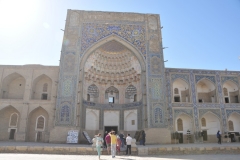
{"points": [[199, 34]]}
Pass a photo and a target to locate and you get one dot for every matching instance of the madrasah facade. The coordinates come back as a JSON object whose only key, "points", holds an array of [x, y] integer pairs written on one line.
{"points": [[112, 76]]}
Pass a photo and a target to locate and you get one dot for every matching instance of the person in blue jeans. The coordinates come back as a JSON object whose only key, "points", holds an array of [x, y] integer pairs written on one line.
{"points": [[99, 143]]}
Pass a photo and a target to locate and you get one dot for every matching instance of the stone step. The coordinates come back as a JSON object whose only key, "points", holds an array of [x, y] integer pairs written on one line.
{"points": [[141, 151]]}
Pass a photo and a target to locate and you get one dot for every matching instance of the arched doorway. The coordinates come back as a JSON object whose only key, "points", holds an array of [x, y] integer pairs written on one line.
{"points": [[210, 124], [9, 122], [184, 124], [38, 125]]}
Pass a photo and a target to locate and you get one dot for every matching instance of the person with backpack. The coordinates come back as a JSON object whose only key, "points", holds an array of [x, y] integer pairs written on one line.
{"points": [[219, 137]]}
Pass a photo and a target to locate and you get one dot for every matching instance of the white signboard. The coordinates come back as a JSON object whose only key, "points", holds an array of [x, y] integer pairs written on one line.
{"points": [[72, 136]]}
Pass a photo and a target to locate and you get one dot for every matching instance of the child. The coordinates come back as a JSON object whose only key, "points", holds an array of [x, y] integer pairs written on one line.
{"points": [[118, 145]]}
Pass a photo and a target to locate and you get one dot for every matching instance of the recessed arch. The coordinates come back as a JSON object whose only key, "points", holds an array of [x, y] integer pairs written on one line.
{"points": [[181, 91], [130, 120], [187, 123], [101, 42], [230, 92], [13, 86], [8, 128], [92, 120], [213, 123], [112, 62], [41, 88], [34, 134], [235, 118], [206, 91]]}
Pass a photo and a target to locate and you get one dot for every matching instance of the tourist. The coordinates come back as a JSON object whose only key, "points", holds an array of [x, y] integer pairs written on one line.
{"points": [[128, 142], [118, 145], [108, 142], [122, 139], [105, 134], [99, 143], [113, 143], [143, 137], [219, 137]]}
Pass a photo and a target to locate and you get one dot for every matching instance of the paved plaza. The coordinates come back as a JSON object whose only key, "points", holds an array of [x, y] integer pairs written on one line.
{"points": [[104, 157]]}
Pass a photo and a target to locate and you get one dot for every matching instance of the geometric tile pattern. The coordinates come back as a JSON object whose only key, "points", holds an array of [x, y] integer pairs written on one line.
{"points": [[177, 112], [156, 88], [230, 111], [199, 77], [67, 86], [234, 79], [155, 65], [93, 32], [181, 76], [69, 61], [158, 115], [65, 113], [216, 112]]}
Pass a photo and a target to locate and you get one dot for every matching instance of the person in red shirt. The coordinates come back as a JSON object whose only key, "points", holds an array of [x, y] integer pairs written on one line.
{"points": [[108, 142]]}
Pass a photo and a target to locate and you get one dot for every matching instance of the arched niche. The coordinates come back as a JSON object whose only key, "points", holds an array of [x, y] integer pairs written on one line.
{"points": [[181, 92], [213, 124], [230, 92], [112, 95], [130, 120], [41, 88], [33, 132], [187, 123], [8, 127], [92, 119], [13, 86], [206, 91], [92, 93], [235, 118], [130, 94], [112, 62]]}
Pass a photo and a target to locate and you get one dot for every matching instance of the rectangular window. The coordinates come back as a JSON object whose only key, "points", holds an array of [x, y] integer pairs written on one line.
{"points": [[44, 96], [111, 99], [133, 122], [200, 100]]}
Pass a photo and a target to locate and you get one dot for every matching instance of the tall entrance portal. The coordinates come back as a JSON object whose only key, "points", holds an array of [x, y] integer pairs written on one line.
{"points": [[112, 74]]}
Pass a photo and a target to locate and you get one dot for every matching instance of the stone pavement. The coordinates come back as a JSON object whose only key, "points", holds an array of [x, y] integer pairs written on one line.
{"points": [[80, 149], [14, 156]]}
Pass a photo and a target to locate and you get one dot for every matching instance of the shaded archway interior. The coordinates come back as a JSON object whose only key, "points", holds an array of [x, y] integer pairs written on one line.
{"points": [[112, 70]]}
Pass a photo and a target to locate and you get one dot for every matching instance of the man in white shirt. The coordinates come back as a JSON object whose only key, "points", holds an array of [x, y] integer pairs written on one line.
{"points": [[128, 142]]}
